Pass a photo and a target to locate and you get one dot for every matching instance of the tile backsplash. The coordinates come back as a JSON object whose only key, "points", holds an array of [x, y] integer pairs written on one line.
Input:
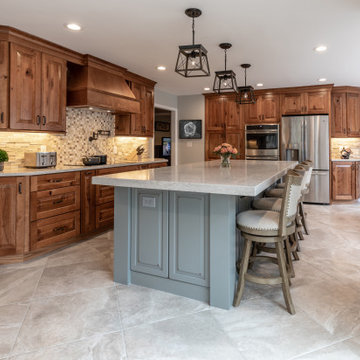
{"points": [[72, 146], [352, 143]]}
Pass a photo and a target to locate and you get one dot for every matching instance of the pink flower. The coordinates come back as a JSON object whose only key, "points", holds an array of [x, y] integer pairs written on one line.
{"points": [[223, 151], [234, 151], [217, 148]]}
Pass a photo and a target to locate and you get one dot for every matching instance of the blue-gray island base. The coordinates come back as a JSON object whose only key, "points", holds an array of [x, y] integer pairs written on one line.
{"points": [[183, 242]]}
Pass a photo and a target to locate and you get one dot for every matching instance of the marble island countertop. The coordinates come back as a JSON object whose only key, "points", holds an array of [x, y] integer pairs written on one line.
{"points": [[351, 159], [243, 178], [24, 171]]}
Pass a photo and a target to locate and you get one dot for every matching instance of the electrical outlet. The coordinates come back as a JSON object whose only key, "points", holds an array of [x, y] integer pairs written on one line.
{"points": [[149, 202]]}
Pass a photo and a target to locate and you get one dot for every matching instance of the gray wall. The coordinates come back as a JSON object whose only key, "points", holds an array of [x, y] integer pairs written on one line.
{"points": [[191, 107], [165, 99]]}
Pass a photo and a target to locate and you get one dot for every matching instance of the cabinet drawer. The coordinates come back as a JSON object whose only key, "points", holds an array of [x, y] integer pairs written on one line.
{"points": [[157, 165], [55, 229], [105, 215], [54, 181], [49, 203]]}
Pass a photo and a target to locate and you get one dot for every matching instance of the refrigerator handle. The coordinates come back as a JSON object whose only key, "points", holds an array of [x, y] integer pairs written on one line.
{"points": [[302, 146]]}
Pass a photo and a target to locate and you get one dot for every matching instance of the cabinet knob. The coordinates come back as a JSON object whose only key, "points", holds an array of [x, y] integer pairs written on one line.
{"points": [[44, 120]]}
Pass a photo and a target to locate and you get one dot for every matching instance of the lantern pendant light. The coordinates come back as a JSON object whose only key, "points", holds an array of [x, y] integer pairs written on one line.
{"points": [[245, 93], [192, 59], [225, 80]]}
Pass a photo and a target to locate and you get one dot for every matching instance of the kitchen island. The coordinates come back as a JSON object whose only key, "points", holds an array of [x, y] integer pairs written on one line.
{"points": [[175, 227]]}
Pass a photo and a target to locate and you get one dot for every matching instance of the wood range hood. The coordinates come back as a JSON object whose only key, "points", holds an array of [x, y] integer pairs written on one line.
{"points": [[102, 85]]}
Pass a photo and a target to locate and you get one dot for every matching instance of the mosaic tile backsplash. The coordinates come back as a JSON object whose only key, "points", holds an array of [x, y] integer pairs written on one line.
{"points": [[352, 143], [72, 146]]}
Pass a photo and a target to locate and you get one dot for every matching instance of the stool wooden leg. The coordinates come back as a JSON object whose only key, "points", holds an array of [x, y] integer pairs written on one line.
{"points": [[243, 269], [303, 219], [288, 257], [285, 280]]}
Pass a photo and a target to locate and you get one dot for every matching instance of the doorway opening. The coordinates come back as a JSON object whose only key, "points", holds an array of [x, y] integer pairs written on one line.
{"points": [[163, 145]]}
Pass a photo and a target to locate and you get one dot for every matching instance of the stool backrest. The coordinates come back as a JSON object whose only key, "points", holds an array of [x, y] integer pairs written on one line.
{"points": [[309, 167], [299, 169], [291, 198]]}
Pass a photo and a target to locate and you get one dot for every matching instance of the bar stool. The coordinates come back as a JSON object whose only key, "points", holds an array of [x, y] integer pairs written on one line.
{"points": [[261, 226]]}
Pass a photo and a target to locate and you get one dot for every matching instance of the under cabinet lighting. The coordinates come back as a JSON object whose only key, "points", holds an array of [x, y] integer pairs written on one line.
{"points": [[73, 27]]}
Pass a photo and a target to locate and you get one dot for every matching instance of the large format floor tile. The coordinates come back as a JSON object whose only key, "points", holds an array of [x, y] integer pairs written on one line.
{"points": [[60, 319], [195, 337]]}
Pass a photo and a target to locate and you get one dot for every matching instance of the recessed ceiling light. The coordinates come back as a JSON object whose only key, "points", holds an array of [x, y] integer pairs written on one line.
{"points": [[322, 79], [260, 84], [321, 48], [206, 89], [161, 68], [73, 27]]}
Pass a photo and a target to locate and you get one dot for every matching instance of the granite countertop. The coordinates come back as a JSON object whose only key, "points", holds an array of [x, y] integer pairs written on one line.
{"points": [[351, 159], [244, 177], [23, 171]]}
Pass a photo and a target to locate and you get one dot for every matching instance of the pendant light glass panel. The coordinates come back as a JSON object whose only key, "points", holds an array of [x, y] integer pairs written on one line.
{"points": [[192, 60], [245, 93], [224, 81]]}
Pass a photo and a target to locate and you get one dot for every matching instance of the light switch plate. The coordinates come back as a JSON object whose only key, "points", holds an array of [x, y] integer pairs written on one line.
{"points": [[149, 202], [189, 143]]}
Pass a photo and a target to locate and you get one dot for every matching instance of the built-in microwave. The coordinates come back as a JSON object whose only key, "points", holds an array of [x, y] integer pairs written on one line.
{"points": [[262, 142]]}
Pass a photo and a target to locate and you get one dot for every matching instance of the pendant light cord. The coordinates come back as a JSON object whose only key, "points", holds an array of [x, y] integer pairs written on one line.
{"points": [[245, 76], [225, 58], [193, 31]]}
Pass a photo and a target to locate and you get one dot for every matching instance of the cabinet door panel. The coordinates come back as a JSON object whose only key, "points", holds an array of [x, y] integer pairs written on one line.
{"points": [[88, 199], [232, 117], [25, 88], [4, 84], [53, 93], [357, 192], [104, 215], [189, 238], [138, 120], [338, 115], [12, 219], [291, 104], [353, 114], [270, 108], [253, 112], [149, 112], [214, 113], [213, 139], [149, 240], [318, 102], [343, 184], [237, 140]]}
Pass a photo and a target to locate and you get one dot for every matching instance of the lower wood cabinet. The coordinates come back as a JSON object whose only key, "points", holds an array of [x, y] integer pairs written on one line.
{"points": [[48, 231], [170, 235], [88, 201], [104, 215], [345, 180], [13, 195]]}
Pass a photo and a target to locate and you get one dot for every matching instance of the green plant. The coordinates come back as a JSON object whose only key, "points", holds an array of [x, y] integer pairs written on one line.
{"points": [[3, 156]]}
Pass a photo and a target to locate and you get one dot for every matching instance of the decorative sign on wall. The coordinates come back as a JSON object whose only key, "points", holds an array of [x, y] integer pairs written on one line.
{"points": [[162, 126], [190, 129]]}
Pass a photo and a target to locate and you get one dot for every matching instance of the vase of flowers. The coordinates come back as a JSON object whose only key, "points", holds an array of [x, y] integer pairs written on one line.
{"points": [[226, 151], [3, 157], [345, 152]]}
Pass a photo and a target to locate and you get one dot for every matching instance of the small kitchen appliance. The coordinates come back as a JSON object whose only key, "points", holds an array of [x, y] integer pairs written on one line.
{"points": [[40, 159]]}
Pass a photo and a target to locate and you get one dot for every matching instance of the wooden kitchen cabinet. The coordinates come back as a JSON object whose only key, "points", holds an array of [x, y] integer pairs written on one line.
{"points": [[212, 140], [265, 110], [37, 90], [307, 101], [343, 180], [88, 201], [345, 114], [214, 113], [13, 200], [4, 84], [357, 176]]}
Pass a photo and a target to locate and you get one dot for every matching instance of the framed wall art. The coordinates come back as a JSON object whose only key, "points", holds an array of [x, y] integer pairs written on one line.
{"points": [[190, 129]]}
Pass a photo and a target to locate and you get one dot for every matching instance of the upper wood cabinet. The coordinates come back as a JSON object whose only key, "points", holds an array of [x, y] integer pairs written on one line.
{"points": [[265, 110], [4, 84], [299, 102], [37, 90], [214, 113], [345, 112], [141, 124], [13, 192]]}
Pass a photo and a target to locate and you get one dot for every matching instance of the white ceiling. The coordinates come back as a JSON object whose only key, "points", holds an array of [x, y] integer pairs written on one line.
{"points": [[277, 37]]}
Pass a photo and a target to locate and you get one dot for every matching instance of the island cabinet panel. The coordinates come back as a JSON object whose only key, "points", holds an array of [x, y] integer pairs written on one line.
{"points": [[189, 238], [13, 193], [4, 84], [149, 232], [53, 99], [343, 180], [338, 114], [25, 88]]}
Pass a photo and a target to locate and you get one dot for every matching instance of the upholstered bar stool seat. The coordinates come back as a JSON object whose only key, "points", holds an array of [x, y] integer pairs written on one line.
{"points": [[267, 203], [275, 192]]}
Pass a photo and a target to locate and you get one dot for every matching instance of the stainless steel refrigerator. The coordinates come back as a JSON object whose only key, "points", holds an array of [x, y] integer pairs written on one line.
{"points": [[307, 138]]}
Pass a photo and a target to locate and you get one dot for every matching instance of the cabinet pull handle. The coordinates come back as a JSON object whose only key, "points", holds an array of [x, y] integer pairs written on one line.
{"points": [[344, 131], [44, 120], [58, 201], [59, 228], [2, 117], [55, 180], [20, 188], [38, 120], [88, 173]]}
